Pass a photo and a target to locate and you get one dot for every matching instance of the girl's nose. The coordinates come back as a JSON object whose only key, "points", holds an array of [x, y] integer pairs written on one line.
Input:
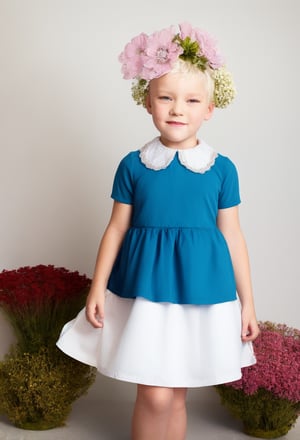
{"points": [[176, 110]]}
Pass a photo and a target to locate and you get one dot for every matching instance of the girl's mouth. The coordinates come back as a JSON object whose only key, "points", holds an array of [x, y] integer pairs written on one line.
{"points": [[175, 123]]}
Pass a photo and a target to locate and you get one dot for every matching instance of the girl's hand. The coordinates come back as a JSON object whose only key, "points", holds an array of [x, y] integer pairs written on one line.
{"points": [[250, 329], [95, 310]]}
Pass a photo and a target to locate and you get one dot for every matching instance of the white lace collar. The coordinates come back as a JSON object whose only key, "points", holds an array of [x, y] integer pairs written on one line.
{"points": [[156, 156]]}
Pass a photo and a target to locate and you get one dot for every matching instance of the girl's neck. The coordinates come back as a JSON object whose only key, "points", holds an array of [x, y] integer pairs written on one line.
{"points": [[179, 145]]}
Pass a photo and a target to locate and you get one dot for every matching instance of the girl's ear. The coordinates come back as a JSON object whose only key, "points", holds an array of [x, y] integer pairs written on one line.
{"points": [[148, 104], [210, 110]]}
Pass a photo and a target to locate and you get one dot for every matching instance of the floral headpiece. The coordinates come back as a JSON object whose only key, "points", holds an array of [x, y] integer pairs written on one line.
{"points": [[148, 57]]}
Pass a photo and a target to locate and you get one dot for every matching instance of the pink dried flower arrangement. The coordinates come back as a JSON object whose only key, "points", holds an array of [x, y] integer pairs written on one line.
{"points": [[277, 370], [267, 397]]}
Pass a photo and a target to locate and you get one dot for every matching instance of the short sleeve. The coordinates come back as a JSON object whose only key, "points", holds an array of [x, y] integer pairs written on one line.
{"points": [[122, 190], [230, 194]]}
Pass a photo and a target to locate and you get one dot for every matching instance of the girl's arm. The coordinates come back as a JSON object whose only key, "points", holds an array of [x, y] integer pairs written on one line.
{"points": [[108, 250], [229, 224]]}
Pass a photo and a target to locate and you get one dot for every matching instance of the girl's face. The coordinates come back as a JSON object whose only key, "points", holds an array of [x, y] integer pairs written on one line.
{"points": [[178, 103]]}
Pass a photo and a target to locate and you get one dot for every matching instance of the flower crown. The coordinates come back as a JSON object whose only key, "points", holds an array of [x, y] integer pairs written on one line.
{"points": [[148, 57]]}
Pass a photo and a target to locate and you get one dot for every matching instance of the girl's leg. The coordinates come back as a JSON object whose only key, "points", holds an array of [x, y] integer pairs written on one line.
{"points": [[151, 413], [159, 414], [178, 419]]}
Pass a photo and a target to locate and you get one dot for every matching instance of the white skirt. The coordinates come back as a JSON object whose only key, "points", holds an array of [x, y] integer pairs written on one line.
{"points": [[161, 344]]}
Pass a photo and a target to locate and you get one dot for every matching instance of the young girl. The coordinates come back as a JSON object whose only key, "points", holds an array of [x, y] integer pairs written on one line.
{"points": [[163, 310]]}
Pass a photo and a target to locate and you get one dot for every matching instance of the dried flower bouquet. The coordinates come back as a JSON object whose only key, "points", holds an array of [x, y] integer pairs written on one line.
{"points": [[267, 397], [39, 383]]}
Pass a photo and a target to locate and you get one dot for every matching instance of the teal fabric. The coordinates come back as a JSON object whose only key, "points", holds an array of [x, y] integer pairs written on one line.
{"points": [[173, 251]]}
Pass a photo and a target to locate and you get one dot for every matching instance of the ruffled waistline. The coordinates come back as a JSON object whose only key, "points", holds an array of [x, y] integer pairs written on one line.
{"points": [[176, 265]]}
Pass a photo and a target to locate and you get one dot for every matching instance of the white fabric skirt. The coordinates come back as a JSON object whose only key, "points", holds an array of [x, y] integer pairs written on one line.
{"points": [[161, 344]]}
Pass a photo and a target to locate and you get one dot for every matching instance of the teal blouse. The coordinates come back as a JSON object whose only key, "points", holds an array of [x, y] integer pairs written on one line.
{"points": [[173, 251]]}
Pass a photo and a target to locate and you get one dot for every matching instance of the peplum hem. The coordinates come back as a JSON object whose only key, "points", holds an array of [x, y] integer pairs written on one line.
{"points": [[175, 265]]}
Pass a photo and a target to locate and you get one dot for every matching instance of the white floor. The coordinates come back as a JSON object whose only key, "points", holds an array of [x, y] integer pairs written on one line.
{"points": [[94, 418]]}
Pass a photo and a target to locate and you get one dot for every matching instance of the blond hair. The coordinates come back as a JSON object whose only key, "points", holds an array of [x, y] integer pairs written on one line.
{"points": [[185, 67]]}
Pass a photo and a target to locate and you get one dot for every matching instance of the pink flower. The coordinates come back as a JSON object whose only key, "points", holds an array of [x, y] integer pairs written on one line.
{"points": [[209, 49], [186, 30], [207, 45], [161, 54], [132, 58], [147, 57]]}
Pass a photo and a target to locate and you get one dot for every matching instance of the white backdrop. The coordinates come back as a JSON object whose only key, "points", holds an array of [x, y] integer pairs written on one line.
{"points": [[67, 118]]}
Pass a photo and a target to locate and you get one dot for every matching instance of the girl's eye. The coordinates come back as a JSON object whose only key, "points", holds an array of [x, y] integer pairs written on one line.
{"points": [[164, 98], [194, 100]]}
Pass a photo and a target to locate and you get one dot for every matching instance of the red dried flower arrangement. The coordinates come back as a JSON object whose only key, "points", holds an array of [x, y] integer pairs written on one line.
{"points": [[38, 382], [39, 300]]}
